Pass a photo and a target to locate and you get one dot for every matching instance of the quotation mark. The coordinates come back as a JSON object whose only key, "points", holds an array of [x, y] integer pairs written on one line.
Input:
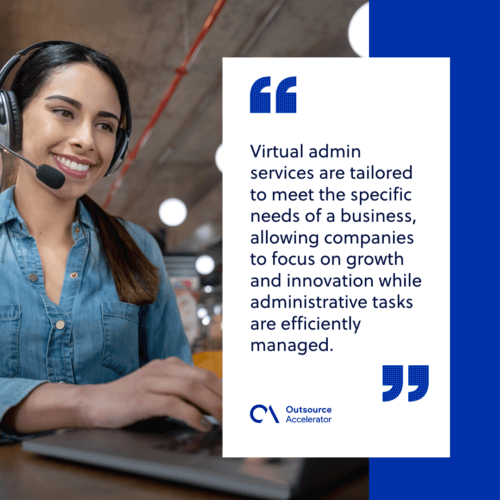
{"points": [[393, 375], [286, 102]]}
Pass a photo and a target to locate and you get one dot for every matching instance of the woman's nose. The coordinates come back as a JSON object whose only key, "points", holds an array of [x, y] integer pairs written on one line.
{"points": [[84, 137]]}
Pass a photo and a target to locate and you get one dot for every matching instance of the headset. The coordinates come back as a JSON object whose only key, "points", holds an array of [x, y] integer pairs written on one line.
{"points": [[11, 124]]}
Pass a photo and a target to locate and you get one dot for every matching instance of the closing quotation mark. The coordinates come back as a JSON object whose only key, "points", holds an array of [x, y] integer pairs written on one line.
{"points": [[393, 375], [418, 375]]}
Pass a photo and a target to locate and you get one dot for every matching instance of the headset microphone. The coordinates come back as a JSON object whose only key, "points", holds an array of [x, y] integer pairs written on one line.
{"points": [[48, 175]]}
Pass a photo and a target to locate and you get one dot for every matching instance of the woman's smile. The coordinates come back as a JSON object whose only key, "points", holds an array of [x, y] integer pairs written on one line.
{"points": [[72, 165]]}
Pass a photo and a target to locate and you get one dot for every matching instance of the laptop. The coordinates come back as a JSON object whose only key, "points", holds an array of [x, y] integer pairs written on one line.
{"points": [[165, 449]]}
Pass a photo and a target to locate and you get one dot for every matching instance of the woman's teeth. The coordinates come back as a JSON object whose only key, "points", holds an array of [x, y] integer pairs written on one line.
{"points": [[80, 167]]}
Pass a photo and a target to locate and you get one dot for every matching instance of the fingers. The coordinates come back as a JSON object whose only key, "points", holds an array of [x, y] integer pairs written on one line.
{"points": [[174, 367], [192, 392], [173, 406], [171, 387]]}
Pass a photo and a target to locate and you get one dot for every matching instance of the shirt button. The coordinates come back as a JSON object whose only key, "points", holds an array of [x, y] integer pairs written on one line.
{"points": [[77, 229], [74, 275], [60, 324], [33, 277]]}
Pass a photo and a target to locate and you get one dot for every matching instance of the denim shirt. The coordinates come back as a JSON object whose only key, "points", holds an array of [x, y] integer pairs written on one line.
{"points": [[90, 337]]}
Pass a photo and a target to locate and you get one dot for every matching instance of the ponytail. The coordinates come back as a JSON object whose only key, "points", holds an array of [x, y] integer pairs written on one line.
{"points": [[136, 279]]}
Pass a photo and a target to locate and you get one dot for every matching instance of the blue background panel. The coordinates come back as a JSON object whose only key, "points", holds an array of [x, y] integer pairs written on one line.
{"points": [[467, 32]]}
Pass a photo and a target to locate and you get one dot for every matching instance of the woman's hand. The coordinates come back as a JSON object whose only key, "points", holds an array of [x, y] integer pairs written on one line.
{"points": [[162, 388]]}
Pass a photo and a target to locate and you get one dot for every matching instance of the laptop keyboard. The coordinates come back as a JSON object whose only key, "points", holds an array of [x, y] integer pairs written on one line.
{"points": [[194, 443]]}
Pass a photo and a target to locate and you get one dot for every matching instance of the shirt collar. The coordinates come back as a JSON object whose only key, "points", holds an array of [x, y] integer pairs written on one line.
{"points": [[85, 216], [8, 209]]}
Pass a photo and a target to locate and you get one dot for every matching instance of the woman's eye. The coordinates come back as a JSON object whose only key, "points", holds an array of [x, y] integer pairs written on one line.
{"points": [[65, 113], [107, 127]]}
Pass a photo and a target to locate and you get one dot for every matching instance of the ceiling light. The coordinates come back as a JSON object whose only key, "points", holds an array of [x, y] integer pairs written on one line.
{"points": [[173, 212], [220, 158], [201, 312], [359, 31], [205, 264], [207, 289]]}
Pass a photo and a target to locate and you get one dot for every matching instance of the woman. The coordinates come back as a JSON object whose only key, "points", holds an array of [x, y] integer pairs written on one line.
{"points": [[84, 297]]}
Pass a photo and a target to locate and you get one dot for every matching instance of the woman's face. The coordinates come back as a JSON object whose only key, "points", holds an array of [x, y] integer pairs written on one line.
{"points": [[70, 124]]}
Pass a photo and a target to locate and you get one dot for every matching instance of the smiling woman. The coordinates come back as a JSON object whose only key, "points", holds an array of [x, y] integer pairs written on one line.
{"points": [[64, 126], [84, 296], [62, 92]]}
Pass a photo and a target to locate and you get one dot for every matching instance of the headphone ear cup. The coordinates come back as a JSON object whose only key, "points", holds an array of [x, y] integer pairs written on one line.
{"points": [[16, 132], [120, 149]]}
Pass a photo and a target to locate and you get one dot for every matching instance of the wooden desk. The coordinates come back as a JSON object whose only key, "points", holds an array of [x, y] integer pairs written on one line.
{"points": [[26, 476]]}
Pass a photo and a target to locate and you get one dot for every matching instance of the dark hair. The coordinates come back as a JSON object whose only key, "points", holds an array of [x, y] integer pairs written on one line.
{"points": [[136, 278]]}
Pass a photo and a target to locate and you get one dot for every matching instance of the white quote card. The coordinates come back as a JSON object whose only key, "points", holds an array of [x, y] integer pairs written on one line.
{"points": [[336, 257]]}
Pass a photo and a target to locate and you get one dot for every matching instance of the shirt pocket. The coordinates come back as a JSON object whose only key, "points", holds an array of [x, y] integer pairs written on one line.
{"points": [[120, 350], [10, 324]]}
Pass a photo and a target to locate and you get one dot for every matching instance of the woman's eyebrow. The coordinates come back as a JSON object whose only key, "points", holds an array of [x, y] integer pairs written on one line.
{"points": [[107, 114], [78, 105]]}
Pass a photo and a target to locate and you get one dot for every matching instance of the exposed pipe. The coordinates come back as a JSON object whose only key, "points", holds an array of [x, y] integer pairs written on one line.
{"points": [[181, 71], [212, 92]]}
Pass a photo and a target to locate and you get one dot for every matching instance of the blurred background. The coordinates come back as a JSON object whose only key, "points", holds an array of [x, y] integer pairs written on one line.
{"points": [[149, 39]]}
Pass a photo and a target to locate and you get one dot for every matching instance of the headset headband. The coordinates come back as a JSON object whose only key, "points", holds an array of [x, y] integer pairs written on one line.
{"points": [[16, 58]]}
